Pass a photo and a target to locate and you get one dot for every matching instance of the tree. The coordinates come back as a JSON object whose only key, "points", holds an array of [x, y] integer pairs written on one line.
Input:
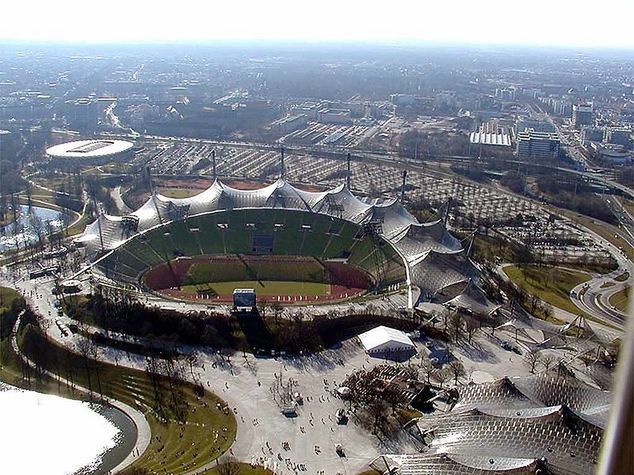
{"points": [[533, 357], [378, 410], [277, 310], [84, 346], [457, 370], [455, 325], [547, 361], [174, 373], [428, 370], [442, 376], [192, 359], [153, 369], [472, 327], [229, 466]]}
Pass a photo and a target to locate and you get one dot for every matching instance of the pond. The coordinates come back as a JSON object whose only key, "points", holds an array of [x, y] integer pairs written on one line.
{"points": [[24, 231], [48, 434]]}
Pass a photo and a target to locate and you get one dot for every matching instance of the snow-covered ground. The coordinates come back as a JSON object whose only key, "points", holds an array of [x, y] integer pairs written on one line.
{"points": [[49, 434]]}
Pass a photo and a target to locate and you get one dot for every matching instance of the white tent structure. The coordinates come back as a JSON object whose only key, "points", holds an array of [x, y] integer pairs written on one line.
{"points": [[384, 340]]}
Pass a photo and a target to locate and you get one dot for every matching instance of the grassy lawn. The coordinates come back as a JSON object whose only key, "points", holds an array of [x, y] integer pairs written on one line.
{"points": [[622, 299], [185, 435], [497, 249], [79, 226], [550, 284], [179, 192], [262, 288], [628, 205], [623, 277], [407, 414], [245, 469], [10, 364], [7, 296], [7, 219], [52, 182], [11, 373], [218, 270], [494, 247]]}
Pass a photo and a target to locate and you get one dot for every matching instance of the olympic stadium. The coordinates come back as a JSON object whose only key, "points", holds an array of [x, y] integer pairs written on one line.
{"points": [[299, 246]]}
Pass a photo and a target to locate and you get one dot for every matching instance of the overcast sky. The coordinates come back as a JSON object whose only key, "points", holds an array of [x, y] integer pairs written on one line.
{"points": [[583, 23]]}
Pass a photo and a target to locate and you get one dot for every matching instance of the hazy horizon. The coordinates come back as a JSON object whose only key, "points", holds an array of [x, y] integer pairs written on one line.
{"points": [[562, 24]]}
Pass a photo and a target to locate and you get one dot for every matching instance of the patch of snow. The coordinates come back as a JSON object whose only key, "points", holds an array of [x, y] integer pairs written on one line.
{"points": [[48, 434]]}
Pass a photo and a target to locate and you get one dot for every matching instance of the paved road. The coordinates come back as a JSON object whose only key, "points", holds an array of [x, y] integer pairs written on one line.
{"points": [[626, 220], [592, 297], [611, 328], [118, 199]]}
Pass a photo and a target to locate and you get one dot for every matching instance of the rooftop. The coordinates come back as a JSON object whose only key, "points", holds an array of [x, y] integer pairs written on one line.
{"points": [[380, 335], [89, 148]]}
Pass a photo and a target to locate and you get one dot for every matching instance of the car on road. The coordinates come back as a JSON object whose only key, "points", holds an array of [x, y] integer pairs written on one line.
{"points": [[62, 327], [339, 450], [341, 416], [289, 411], [508, 346]]}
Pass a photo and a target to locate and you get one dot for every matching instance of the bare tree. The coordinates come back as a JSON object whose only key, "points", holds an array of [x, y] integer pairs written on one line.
{"points": [[192, 359], [94, 354], [84, 346], [277, 311], [548, 361], [378, 410], [38, 226], [445, 316], [442, 376], [455, 324], [472, 327], [171, 368], [457, 370], [533, 358], [153, 369], [229, 466], [427, 369]]}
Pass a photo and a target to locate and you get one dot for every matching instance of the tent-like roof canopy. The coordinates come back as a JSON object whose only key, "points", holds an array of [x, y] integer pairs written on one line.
{"points": [[434, 259], [379, 336]]}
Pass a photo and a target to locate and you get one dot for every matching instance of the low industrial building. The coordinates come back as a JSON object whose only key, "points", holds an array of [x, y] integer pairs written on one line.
{"points": [[290, 123], [491, 135]]}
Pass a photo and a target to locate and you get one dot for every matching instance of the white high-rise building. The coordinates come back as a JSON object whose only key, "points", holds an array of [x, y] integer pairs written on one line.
{"points": [[582, 114], [531, 144]]}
